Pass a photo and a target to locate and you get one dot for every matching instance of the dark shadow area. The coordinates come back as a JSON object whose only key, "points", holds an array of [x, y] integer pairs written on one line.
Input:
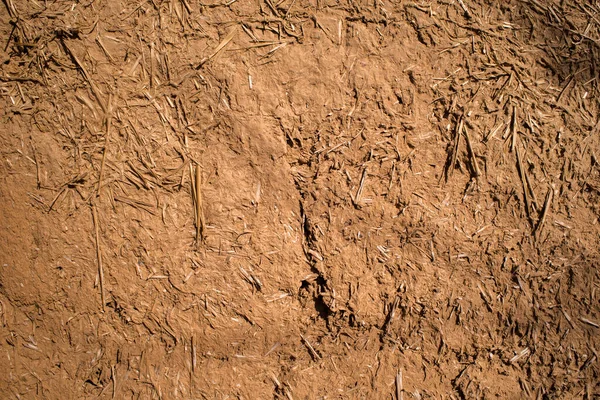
{"points": [[569, 34]]}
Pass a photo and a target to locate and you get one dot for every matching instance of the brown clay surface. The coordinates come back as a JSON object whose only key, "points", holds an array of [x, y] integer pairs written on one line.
{"points": [[398, 199]]}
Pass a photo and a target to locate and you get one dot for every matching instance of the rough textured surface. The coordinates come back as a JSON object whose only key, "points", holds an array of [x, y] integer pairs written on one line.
{"points": [[398, 198]]}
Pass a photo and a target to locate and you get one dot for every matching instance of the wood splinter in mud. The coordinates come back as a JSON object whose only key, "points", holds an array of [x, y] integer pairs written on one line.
{"points": [[311, 349], [197, 195], [399, 386], [113, 377], [472, 156], [522, 175], [454, 154], [218, 49], [513, 129], [544, 213], [106, 139], [99, 255], [358, 197], [95, 91]]}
